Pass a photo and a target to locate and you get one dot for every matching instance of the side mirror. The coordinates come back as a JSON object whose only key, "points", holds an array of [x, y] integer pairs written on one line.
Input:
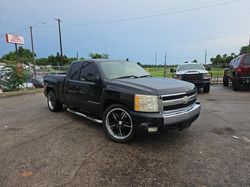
{"points": [[172, 70], [90, 77], [208, 67]]}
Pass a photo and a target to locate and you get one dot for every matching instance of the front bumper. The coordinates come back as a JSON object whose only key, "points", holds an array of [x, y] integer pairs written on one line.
{"points": [[178, 119]]}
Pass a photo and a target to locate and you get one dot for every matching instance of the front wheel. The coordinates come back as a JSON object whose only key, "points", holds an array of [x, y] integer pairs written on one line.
{"points": [[236, 85], [118, 123], [206, 88], [225, 81], [53, 103]]}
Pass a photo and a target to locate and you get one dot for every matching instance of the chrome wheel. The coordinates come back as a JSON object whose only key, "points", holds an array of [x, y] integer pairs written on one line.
{"points": [[51, 100], [119, 123]]}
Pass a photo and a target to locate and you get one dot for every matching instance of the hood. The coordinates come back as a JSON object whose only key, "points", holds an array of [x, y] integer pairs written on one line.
{"points": [[154, 86], [192, 71]]}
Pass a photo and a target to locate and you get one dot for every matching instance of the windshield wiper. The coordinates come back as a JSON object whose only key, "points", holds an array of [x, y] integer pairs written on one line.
{"points": [[128, 76], [145, 76]]}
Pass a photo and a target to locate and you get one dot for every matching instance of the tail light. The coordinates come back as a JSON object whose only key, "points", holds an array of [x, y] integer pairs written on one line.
{"points": [[239, 70]]}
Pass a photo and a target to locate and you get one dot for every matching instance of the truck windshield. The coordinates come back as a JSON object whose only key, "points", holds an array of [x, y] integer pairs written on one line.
{"points": [[190, 67], [116, 69]]}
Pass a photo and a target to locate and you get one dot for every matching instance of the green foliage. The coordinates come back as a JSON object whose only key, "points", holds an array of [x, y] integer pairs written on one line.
{"points": [[55, 60], [245, 49], [222, 60], [98, 56], [24, 56], [14, 77]]}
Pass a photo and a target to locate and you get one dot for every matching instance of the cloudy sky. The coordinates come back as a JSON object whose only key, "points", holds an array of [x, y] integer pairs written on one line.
{"points": [[136, 29]]}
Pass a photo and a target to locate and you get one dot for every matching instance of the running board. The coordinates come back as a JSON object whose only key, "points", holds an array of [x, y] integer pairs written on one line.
{"points": [[85, 116]]}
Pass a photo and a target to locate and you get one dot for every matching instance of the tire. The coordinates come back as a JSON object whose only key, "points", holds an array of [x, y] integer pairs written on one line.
{"points": [[206, 88], [236, 85], [225, 81], [53, 103], [118, 123]]}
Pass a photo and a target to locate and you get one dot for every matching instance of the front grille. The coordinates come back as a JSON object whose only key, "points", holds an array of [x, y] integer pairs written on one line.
{"points": [[178, 95], [179, 106], [179, 100], [193, 78]]}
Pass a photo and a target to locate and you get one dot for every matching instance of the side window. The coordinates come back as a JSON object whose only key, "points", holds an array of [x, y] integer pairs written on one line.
{"points": [[231, 63], [88, 69], [75, 71], [237, 62], [247, 60]]}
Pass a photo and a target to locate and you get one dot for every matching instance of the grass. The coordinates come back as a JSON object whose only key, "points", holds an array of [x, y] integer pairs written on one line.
{"points": [[21, 92]]}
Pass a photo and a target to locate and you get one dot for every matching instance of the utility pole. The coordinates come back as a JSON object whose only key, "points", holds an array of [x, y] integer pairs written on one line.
{"points": [[33, 53], [155, 61], [77, 55], [32, 45], [165, 66], [249, 41], [205, 56], [60, 37]]}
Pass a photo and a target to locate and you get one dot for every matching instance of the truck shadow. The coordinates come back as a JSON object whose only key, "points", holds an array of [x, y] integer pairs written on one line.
{"points": [[141, 139]]}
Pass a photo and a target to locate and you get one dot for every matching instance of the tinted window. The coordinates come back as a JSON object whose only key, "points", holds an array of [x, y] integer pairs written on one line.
{"points": [[190, 67], [237, 62], [88, 68], [75, 71], [247, 59], [116, 69]]}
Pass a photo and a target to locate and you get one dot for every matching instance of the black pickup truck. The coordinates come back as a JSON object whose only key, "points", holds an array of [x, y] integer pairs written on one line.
{"points": [[123, 97]]}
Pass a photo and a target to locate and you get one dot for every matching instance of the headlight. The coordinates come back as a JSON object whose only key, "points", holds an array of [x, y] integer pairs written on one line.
{"points": [[146, 103], [206, 76]]}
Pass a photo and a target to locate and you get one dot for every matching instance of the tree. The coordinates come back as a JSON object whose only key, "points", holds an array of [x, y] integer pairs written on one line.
{"points": [[245, 49], [24, 56], [98, 56], [15, 76], [223, 60]]}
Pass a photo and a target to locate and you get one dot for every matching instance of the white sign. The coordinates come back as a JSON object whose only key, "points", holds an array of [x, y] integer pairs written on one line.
{"points": [[13, 38]]}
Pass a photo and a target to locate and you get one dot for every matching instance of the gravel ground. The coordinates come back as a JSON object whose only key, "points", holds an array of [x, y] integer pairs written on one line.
{"points": [[41, 148]]}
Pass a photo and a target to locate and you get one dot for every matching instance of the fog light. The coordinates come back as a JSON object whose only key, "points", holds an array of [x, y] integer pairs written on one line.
{"points": [[152, 129]]}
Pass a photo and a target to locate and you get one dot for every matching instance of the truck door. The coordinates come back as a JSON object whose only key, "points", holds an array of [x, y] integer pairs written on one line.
{"points": [[90, 89], [72, 85]]}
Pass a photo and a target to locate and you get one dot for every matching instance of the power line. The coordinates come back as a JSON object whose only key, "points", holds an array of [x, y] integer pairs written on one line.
{"points": [[159, 15], [190, 41]]}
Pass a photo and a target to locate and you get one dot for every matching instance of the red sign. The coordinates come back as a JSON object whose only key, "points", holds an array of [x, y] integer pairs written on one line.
{"points": [[13, 38]]}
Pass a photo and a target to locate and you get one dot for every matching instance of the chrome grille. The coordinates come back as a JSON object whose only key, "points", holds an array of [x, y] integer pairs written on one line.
{"points": [[194, 78], [178, 101]]}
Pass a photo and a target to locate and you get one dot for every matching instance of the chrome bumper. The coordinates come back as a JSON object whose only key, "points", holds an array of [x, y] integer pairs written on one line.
{"points": [[183, 115]]}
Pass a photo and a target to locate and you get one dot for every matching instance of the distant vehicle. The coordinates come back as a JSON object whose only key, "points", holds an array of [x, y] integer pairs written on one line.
{"points": [[38, 82], [124, 97], [27, 84], [238, 72], [194, 73]]}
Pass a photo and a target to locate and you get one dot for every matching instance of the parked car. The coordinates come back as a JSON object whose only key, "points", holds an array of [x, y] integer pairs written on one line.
{"points": [[238, 72], [194, 73], [122, 96], [38, 82]]}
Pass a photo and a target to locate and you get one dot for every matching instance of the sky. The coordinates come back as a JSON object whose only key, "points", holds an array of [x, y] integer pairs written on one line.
{"points": [[134, 29]]}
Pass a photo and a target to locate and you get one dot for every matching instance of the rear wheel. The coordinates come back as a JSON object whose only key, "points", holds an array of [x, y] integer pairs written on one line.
{"points": [[53, 103], [225, 81], [118, 123], [206, 88], [236, 85]]}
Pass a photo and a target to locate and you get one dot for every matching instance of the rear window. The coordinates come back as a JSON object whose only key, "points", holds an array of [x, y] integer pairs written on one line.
{"points": [[247, 60], [75, 71]]}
